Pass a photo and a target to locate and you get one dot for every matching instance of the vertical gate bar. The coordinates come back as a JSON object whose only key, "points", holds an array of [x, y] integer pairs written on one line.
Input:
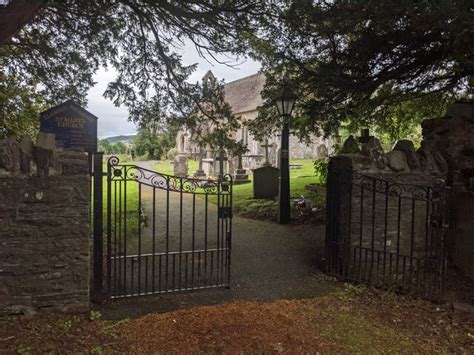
{"points": [[125, 288], [154, 240], [186, 270], [174, 272], [205, 234], [139, 237], [98, 228], [132, 275], [90, 162], [385, 230], [193, 241], [180, 230], [412, 241], [427, 230], [361, 229], [120, 284], [224, 241], [160, 260], [146, 258], [372, 241], [167, 246], [397, 260], [218, 236], [349, 238], [335, 231], [229, 236], [115, 236]]}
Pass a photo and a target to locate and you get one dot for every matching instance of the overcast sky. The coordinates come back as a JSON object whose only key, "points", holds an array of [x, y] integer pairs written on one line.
{"points": [[113, 120]]}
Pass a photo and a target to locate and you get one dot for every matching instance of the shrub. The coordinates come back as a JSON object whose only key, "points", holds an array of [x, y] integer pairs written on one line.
{"points": [[321, 170], [172, 153]]}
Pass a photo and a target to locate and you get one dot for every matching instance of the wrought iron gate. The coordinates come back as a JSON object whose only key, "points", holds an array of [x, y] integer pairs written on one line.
{"points": [[165, 233], [387, 234]]}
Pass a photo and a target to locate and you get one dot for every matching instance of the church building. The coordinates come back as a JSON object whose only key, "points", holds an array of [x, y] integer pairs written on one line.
{"points": [[243, 96]]}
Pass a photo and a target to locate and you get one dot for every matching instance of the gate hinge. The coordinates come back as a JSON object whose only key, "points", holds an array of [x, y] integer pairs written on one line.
{"points": [[224, 212]]}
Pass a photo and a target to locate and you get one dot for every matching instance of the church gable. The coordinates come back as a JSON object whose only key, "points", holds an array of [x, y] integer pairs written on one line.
{"points": [[243, 95]]}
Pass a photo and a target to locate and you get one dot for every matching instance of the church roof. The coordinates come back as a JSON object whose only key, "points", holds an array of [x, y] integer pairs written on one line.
{"points": [[243, 95]]}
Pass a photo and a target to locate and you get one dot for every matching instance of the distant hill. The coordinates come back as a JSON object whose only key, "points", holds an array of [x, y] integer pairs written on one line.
{"points": [[122, 138]]}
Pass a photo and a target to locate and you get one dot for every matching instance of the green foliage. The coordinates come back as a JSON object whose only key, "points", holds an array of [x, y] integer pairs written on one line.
{"points": [[25, 350], [171, 154], [365, 63], [66, 325], [214, 122], [147, 143], [20, 106], [67, 41], [321, 170], [95, 315], [103, 145]]}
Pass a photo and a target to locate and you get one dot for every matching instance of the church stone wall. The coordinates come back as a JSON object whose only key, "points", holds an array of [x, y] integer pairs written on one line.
{"points": [[44, 227]]}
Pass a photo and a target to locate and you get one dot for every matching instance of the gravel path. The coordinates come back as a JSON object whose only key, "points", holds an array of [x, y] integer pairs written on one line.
{"points": [[269, 261]]}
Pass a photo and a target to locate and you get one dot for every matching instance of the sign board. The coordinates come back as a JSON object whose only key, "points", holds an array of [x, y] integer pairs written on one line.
{"points": [[73, 126]]}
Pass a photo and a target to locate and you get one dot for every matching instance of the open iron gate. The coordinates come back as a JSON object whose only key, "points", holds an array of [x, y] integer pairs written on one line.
{"points": [[165, 233], [387, 234]]}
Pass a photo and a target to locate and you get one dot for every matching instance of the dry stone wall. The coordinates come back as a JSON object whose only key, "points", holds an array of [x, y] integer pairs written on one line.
{"points": [[44, 227], [384, 203], [446, 153]]}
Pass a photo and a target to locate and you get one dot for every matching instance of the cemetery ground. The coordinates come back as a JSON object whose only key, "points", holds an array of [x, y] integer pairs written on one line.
{"points": [[349, 320], [245, 205]]}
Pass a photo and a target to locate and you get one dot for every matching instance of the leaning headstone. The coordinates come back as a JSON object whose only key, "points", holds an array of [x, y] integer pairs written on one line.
{"points": [[373, 148], [397, 161], [406, 146], [265, 182], [350, 146], [180, 165]]}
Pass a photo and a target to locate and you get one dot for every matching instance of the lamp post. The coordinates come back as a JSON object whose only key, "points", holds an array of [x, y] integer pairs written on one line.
{"points": [[284, 103]]}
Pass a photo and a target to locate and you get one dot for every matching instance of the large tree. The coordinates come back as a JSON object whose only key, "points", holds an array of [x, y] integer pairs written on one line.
{"points": [[67, 41], [354, 62]]}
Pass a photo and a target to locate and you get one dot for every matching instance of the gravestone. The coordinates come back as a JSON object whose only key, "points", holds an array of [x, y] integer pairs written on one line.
{"points": [[73, 126], [265, 182], [199, 173], [240, 176], [265, 147], [322, 151], [180, 165]]}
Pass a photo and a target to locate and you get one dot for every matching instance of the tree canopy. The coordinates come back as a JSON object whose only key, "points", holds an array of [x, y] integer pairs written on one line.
{"points": [[354, 62], [67, 41]]}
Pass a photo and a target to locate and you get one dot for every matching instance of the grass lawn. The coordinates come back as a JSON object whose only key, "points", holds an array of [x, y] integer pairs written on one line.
{"points": [[132, 215], [246, 205], [243, 201]]}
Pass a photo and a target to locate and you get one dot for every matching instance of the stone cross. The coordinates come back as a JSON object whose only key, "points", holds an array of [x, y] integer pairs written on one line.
{"points": [[240, 164], [221, 158], [202, 155], [266, 146], [364, 136]]}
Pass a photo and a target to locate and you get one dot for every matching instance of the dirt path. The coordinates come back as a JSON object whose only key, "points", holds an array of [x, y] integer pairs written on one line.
{"points": [[269, 261]]}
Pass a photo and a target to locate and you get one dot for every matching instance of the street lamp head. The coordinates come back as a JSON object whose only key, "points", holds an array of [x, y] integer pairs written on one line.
{"points": [[285, 101]]}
